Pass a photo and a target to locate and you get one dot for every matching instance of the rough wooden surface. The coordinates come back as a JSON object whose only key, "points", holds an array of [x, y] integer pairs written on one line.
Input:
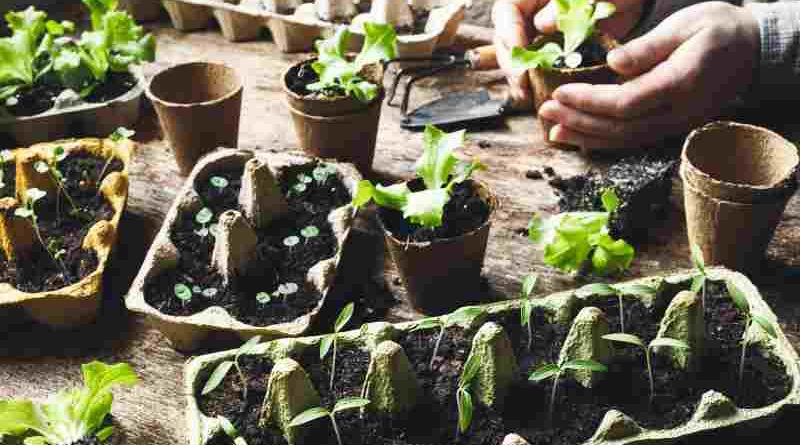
{"points": [[34, 361]]}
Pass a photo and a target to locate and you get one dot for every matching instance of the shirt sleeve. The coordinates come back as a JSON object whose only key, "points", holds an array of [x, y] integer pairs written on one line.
{"points": [[779, 25]]}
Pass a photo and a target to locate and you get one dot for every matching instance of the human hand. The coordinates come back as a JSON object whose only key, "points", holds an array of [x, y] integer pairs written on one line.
{"points": [[683, 73], [516, 23]]}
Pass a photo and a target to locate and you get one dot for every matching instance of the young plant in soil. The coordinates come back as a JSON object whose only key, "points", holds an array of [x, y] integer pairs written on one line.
{"points": [[32, 196], [554, 371], [284, 290], [50, 167], [620, 291], [204, 217], [576, 241], [631, 339], [118, 135], [73, 415], [463, 316], [750, 317], [231, 431], [464, 395], [185, 293], [222, 370], [700, 278], [437, 169], [333, 339], [5, 157], [576, 20], [526, 305], [319, 412]]}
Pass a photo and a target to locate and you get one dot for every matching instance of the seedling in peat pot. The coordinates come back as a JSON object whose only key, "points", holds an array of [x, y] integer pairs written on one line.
{"points": [[554, 371], [322, 172], [51, 167], [620, 291], [291, 241], [203, 217], [700, 279], [526, 305], [332, 339], [463, 316], [219, 373], [319, 412], [571, 238], [5, 156], [218, 182], [750, 317], [631, 339], [309, 232], [185, 293], [231, 431], [283, 291], [464, 401], [32, 196]]}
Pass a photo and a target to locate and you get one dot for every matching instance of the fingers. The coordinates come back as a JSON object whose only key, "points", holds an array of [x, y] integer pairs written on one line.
{"points": [[513, 29], [545, 19], [518, 82]]}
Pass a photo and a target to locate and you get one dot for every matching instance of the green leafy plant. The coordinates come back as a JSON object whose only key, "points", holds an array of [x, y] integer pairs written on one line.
{"points": [[203, 217], [464, 401], [620, 291], [463, 316], [526, 305], [701, 278], [340, 76], [574, 239], [231, 431], [333, 339], [750, 318], [224, 367], [647, 348], [554, 371], [576, 20], [50, 167], [73, 414], [436, 167], [319, 412]]}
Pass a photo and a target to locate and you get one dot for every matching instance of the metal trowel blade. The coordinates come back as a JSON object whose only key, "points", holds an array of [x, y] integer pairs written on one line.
{"points": [[462, 109]]}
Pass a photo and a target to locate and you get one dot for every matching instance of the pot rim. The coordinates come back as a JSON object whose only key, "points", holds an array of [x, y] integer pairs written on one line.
{"points": [[295, 96], [378, 102], [235, 91], [687, 183], [605, 40]]}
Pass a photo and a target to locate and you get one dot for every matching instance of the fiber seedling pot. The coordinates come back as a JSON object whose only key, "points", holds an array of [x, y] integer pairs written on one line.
{"points": [[189, 330], [286, 377], [78, 303], [142, 10], [188, 16], [737, 180], [544, 82], [338, 128], [444, 274], [198, 105]]}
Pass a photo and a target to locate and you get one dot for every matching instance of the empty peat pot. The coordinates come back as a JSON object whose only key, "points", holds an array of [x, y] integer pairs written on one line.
{"points": [[198, 105], [544, 82], [341, 128], [737, 180], [444, 274]]}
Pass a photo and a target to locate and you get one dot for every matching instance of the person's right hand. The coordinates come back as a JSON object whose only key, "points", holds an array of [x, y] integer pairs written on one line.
{"points": [[516, 23]]}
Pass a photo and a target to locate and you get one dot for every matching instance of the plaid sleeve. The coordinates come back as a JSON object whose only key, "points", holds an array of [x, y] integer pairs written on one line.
{"points": [[779, 24]]}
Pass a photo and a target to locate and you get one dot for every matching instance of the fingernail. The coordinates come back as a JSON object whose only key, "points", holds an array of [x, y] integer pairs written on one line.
{"points": [[618, 58], [548, 110]]}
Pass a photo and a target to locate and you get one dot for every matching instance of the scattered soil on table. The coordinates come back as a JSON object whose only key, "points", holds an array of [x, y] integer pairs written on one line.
{"points": [[274, 264], [116, 85], [8, 179], [34, 100], [64, 230], [464, 212]]}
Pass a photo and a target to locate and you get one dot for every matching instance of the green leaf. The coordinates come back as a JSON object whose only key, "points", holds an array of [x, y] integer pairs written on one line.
{"points": [[610, 256], [766, 325], [344, 317], [105, 433], [437, 161], [576, 23], [525, 310], [467, 169], [309, 415], [217, 376], [228, 427], [527, 59], [599, 289], [610, 200], [394, 196], [182, 292], [363, 194], [380, 44], [544, 372], [350, 403], [309, 232], [470, 371], [204, 216], [218, 182], [465, 409], [528, 285], [248, 347], [698, 282], [697, 258], [22, 212], [19, 416], [464, 316], [95, 399], [263, 297], [585, 365], [738, 297], [325, 345], [33, 195], [427, 323], [637, 289], [669, 342], [426, 207], [625, 338], [603, 10]]}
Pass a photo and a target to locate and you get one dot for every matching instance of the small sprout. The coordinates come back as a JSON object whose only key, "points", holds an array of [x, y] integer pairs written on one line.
{"points": [[463, 394], [322, 172], [332, 339], [319, 412], [211, 292], [224, 367], [303, 178], [182, 292], [32, 196], [41, 167], [647, 348], [231, 431], [263, 297], [300, 187], [288, 288], [291, 241], [309, 232], [5, 156], [700, 279], [203, 217], [464, 316], [526, 306], [552, 370], [197, 289], [121, 133], [750, 317], [219, 182], [620, 291]]}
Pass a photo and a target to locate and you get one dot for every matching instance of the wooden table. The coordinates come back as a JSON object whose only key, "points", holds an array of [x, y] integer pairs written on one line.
{"points": [[34, 362]]}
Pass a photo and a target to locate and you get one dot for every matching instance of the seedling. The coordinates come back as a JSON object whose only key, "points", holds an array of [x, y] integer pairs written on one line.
{"points": [[309, 232], [283, 290], [750, 317], [50, 167], [700, 279], [620, 291], [322, 172], [121, 134], [32, 196], [526, 305], [436, 168], [576, 19], [184, 293], [631, 339], [231, 431], [203, 217], [333, 339], [291, 241], [5, 156], [464, 395], [319, 412], [218, 182], [572, 239], [222, 369], [554, 371], [463, 316]]}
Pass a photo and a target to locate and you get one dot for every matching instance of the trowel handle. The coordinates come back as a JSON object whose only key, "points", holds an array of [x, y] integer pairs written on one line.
{"points": [[482, 58]]}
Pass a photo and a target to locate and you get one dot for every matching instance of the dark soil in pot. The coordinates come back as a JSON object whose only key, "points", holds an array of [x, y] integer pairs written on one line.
{"points": [[115, 86], [8, 189], [466, 211], [64, 230], [275, 263], [34, 100], [300, 76]]}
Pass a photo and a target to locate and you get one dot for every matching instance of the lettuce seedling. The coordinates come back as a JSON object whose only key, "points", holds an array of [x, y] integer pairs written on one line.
{"points": [[526, 305], [631, 339], [73, 414], [576, 19], [701, 278], [463, 316], [222, 369], [340, 76], [464, 395], [231, 431], [750, 317], [333, 339], [554, 371], [571, 239], [436, 167], [620, 291], [319, 412]]}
